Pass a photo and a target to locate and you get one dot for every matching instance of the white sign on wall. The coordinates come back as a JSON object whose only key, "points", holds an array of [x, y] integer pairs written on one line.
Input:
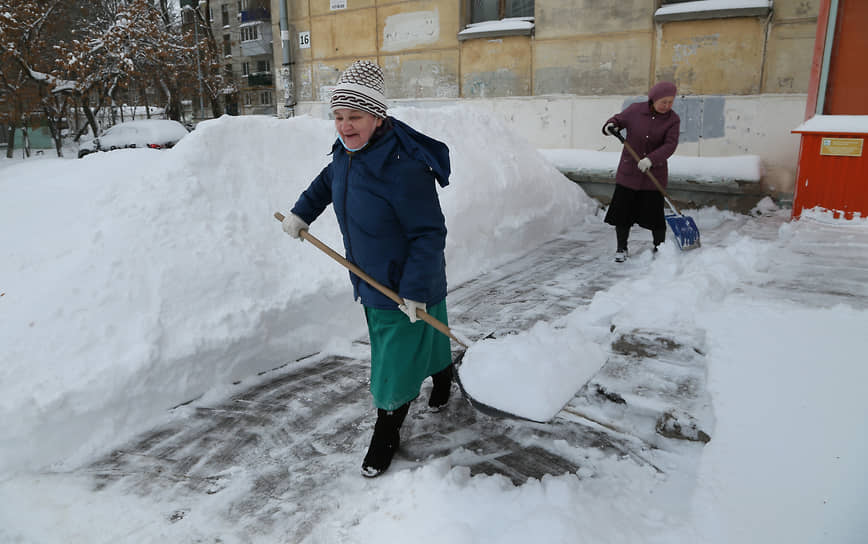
{"points": [[411, 30], [304, 40], [337, 4]]}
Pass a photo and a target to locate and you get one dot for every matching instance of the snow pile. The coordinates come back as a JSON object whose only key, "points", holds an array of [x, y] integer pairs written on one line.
{"points": [[555, 359], [786, 382], [136, 280], [124, 291], [696, 169]]}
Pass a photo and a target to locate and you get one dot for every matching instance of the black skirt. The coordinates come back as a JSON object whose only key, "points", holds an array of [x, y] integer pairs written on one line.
{"points": [[630, 207]]}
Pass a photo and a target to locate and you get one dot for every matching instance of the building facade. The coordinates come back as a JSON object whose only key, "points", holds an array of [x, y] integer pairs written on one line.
{"points": [[558, 68], [243, 32]]}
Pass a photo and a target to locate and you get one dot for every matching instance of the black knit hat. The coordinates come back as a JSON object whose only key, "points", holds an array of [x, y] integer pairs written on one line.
{"points": [[360, 87]]}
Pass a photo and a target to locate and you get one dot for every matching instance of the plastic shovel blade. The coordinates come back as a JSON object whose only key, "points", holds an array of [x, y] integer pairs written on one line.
{"points": [[684, 230]]}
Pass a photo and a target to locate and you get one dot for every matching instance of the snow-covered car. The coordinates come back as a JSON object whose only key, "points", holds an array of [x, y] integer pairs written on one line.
{"points": [[147, 133]]}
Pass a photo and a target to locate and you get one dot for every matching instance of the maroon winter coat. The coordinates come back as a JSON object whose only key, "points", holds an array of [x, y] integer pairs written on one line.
{"points": [[651, 135]]}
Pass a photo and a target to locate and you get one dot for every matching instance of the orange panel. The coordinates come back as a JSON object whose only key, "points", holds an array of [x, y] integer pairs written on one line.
{"points": [[838, 184], [817, 63], [847, 89]]}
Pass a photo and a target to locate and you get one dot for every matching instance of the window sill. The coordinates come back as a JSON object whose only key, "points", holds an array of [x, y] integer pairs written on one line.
{"points": [[712, 9], [518, 26]]}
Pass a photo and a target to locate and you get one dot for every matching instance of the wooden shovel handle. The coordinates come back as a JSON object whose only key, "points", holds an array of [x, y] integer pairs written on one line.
{"points": [[420, 313], [647, 172]]}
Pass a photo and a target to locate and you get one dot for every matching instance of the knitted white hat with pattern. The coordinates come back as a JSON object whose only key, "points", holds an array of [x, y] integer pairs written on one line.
{"points": [[361, 87]]}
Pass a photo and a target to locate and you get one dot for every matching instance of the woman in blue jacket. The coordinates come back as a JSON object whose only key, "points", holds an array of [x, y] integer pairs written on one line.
{"points": [[382, 183]]}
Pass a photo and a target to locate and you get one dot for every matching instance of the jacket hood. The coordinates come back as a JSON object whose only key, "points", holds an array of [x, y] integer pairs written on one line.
{"points": [[433, 153]]}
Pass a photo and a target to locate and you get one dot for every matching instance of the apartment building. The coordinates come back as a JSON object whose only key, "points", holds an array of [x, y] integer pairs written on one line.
{"points": [[243, 31]]}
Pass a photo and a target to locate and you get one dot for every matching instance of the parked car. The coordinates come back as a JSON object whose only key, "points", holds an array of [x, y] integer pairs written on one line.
{"points": [[147, 133]]}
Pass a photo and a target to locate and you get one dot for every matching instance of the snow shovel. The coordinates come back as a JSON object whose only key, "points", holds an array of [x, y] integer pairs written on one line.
{"points": [[683, 227], [421, 314]]}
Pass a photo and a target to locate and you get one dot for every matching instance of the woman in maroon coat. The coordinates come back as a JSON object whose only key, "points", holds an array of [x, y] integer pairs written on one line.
{"points": [[652, 131]]}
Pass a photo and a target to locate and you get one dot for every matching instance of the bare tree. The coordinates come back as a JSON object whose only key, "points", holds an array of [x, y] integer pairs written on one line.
{"points": [[25, 51], [113, 49]]}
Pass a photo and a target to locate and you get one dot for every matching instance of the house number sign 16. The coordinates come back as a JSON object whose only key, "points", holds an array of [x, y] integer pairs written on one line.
{"points": [[304, 40]]}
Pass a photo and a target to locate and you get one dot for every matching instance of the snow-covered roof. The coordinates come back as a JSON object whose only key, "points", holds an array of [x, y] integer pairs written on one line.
{"points": [[857, 124]]}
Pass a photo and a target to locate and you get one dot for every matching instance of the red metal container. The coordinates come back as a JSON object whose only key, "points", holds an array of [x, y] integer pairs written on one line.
{"points": [[833, 169]]}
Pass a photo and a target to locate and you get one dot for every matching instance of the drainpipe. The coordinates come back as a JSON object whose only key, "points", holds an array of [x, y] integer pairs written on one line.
{"points": [[286, 69], [827, 54]]}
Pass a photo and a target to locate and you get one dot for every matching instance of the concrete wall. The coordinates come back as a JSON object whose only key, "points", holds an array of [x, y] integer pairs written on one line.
{"points": [[747, 125]]}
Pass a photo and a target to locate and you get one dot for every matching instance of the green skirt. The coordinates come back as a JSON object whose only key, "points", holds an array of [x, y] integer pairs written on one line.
{"points": [[403, 354]]}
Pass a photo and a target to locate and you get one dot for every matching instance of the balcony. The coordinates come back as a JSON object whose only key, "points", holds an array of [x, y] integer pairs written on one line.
{"points": [[261, 79], [255, 39], [255, 14]]}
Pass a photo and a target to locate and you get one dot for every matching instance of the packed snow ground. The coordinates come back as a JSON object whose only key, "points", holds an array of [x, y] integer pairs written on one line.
{"points": [[136, 280]]}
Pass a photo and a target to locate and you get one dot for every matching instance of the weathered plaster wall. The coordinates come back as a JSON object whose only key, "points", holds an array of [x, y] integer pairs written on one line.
{"points": [[589, 47], [496, 67], [581, 47], [422, 74], [590, 66], [712, 56], [415, 41], [560, 19], [790, 47]]}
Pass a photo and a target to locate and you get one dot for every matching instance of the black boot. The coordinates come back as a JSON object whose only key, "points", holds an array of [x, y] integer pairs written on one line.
{"points": [[441, 390], [385, 441], [659, 237], [622, 234]]}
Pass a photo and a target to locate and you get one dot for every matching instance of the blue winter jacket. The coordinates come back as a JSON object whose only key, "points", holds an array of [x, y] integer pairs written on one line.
{"points": [[386, 203]]}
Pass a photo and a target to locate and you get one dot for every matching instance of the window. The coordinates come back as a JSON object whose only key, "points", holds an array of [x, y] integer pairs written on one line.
{"points": [[210, 14], [494, 10], [248, 99], [224, 9], [265, 97], [228, 70], [245, 68], [249, 33], [498, 18], [227, 45], [263, 66]]}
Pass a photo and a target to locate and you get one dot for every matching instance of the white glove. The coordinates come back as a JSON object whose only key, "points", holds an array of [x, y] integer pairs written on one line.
{"points": [[610, 128], [644, 164], [293, 225], [410, 306]]}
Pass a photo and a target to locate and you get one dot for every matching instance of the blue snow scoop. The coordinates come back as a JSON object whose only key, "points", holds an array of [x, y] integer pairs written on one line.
{"points": [[683, 227]]}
